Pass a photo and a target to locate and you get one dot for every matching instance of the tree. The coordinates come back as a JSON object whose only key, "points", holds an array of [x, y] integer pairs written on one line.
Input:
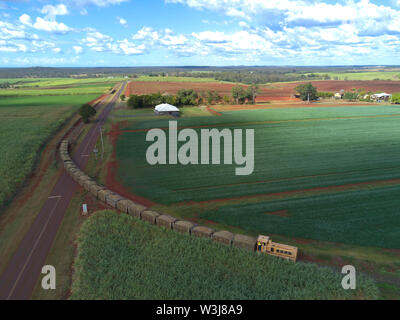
{"points": [[307, 92], [252, 92], [350, 96], [86, 111], [210, 97], [217, 97], [186, 97], [238, 94], [122, 97], [135, 102], [396, 98], [227, 99]]}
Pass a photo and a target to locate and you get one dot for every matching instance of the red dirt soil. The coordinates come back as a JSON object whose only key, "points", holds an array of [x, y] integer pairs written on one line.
{"points": [[338, 188], [212, 111], [272, 92], [112, 169], [280, 213]]}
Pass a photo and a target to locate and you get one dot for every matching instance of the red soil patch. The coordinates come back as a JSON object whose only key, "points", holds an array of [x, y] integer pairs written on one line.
{"points": [[345, 187], [147, 87], [280, 213], [112, 169], [224, 89], [197, 219], [303, 241], [280, 92], [94, 101], [212, 111]]}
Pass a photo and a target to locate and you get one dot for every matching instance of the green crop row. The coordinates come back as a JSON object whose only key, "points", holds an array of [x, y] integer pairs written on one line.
{"points": [[295, 150], [120, 257], [25, 124]]}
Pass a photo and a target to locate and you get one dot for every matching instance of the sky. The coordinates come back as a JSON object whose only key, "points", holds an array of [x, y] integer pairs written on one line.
{"points": [[68, 33]]}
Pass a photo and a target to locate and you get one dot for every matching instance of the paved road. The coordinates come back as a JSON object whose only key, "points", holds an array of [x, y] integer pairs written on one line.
{"points": [[20, 276]]}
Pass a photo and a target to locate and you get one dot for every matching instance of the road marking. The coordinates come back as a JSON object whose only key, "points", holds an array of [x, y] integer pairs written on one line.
{"points": [[84, 155], [33, 249], [55, 197]]}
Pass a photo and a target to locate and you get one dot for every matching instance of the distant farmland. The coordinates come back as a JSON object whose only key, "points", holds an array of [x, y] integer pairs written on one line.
{"points": [[29, 115], [321, 173], [269, 92]]}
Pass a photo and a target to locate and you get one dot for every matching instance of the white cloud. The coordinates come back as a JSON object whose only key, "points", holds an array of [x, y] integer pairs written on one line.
{"points": [[77, 49], [98, 3], [52, 11], [25, 19], [297, 29], [146, 33], [130, 48], [56, 50], [11, 31], [13, 47], [367, 16], [44, 24], [50, 26], [122, 21], [170, 40]]}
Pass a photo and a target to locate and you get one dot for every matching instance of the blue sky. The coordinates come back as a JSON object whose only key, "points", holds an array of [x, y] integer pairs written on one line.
{"points": [[198, 32]]}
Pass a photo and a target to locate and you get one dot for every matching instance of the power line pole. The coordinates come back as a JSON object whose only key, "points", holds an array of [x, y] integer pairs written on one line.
{"points": [[102, 143]]}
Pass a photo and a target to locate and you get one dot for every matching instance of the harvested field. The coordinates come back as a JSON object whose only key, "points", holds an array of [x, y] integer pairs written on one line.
{"points": [[146, 87], [272, 92]]}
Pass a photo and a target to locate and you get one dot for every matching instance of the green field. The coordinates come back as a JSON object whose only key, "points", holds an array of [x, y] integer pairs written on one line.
{"points": [[368, 75], [121, 257], [320, 173], [57, 86], [25, 124], [173, 79]]}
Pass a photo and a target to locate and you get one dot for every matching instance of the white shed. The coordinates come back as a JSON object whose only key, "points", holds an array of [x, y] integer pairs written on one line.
{"points": [[166, 108], [381, 96]]}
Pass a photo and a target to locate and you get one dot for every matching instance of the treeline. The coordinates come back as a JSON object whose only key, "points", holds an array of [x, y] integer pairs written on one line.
{"points": [[182, 98], [256, 74], [5, 85], [190, 97], [255, 77]]}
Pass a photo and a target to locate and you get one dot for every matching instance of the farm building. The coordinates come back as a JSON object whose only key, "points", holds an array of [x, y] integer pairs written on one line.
{"points": [[338, 95], [168, 109], [380, 97]]}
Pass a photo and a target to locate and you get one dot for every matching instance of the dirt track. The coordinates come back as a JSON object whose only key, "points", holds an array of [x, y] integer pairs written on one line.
{"points": [[20, 276]]}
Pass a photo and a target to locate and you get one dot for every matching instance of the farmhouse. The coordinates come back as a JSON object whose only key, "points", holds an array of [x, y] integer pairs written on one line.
{"points": [[166, 108], [339, 95], [380, 97]]}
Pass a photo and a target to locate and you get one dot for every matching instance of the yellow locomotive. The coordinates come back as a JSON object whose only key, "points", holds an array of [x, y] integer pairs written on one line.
{"points": [[265, 245]]}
